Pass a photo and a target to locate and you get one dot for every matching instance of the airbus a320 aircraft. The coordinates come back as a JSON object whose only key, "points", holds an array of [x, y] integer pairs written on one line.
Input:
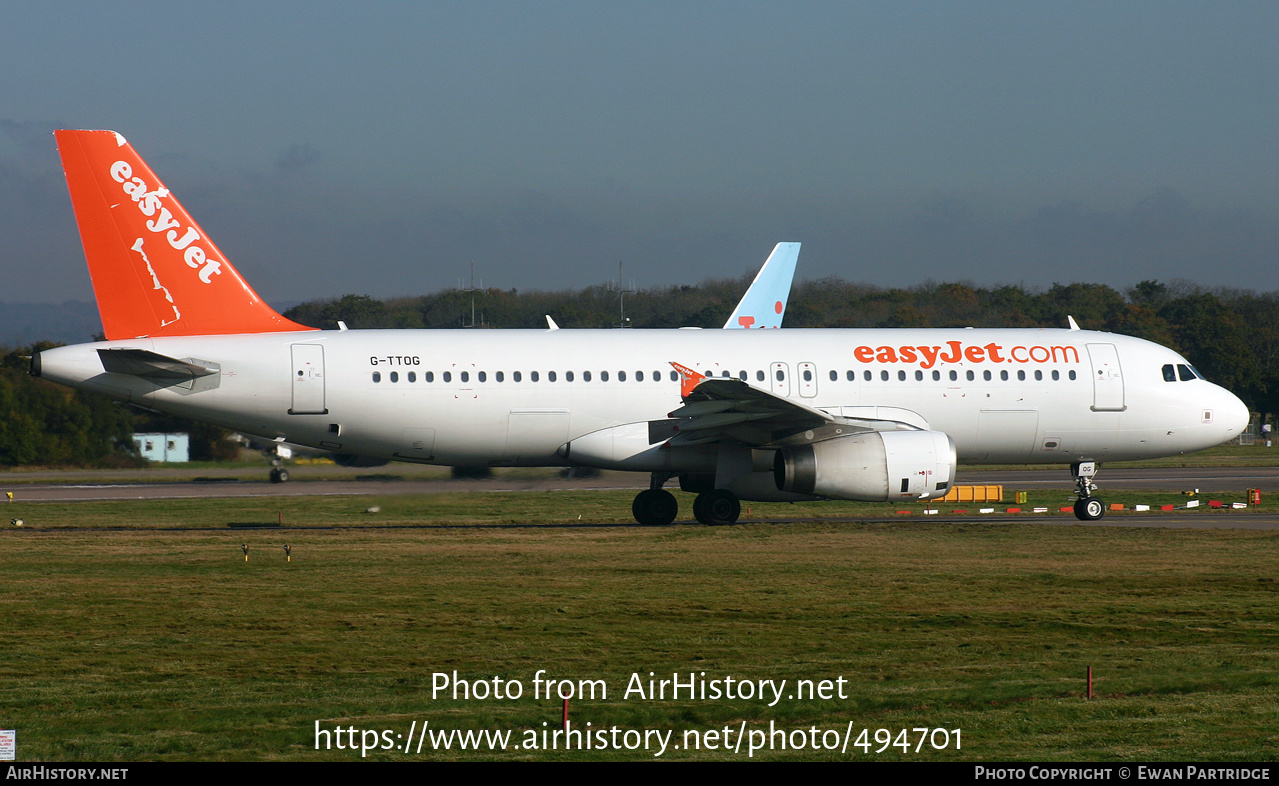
{"points": [[794, 415]]}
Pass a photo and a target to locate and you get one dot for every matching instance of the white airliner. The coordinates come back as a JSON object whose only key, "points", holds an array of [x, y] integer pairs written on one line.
{"points": [[871, 415]]}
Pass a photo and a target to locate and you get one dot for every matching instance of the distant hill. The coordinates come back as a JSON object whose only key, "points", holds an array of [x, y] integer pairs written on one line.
{"points": [[70, 322]]}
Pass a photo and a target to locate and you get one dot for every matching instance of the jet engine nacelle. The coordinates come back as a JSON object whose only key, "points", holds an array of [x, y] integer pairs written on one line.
{"points": [[873, 466]]}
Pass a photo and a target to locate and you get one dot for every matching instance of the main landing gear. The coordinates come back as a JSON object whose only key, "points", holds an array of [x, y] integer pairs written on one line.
{"points": [[717, 507], [1087, 507], [655, 506]]}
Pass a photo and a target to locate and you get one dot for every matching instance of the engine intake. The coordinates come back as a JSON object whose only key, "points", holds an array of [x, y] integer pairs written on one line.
{"points": [[873, 466]]}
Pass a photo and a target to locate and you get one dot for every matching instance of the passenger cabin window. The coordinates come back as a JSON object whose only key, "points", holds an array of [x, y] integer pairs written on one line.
{"points": [[674, 375], [484, 377], [429, 376], [377, 376], [759, 375], [534, 376], [1039, 376], [851, 375], [954, 375], [448, 376], [866, 375], [586, 376], [883, 375], [568, 376], [1056, 375], [412, 376], [919, 376], [550, 376], [395, 376], [466, 376], [834, 375], [901, 376]]}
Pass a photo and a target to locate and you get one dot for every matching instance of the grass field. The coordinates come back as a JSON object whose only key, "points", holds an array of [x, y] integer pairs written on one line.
{"points": [[253, 466], [136, 630]]}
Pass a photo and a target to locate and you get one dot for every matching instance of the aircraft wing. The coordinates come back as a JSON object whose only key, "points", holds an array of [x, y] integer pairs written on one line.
{"points": [[718, 409]]}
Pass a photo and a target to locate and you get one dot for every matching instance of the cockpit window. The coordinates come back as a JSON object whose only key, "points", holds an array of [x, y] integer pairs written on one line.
{"points": [[1185, 372], [1169, 374]]}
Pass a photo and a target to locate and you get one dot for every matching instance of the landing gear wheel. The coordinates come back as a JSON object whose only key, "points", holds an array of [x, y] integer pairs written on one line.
{"points": [[655, 507], [699, 508], [279, 475], [1089, 508], [717, 507]]}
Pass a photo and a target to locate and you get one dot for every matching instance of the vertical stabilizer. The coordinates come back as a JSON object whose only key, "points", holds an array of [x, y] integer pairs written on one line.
{"points": [[764, 303], [155, 272]]}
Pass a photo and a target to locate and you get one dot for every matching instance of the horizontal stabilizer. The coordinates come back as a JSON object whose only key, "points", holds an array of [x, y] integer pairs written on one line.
{"points": [[145, 363]]}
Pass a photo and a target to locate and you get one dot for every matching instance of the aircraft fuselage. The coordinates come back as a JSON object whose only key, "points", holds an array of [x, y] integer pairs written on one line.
{"points": [[515, 397]]}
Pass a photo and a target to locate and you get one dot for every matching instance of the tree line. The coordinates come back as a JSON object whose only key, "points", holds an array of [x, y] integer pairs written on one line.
{"points": [[1232, 336]]}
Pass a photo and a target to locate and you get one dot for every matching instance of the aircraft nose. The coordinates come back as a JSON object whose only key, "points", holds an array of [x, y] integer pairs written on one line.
{"points": [[1234, 414]]}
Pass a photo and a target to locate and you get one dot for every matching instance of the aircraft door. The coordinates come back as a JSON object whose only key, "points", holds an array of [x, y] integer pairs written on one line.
{"points": [[807, 379], [308, 380], [779, 373], [1107, 378]]}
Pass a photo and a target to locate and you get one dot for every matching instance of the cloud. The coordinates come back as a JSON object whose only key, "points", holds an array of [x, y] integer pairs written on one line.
{"points": [[297, 158]]}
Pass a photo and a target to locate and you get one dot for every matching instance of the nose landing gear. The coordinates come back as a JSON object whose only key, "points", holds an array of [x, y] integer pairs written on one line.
{"points": [[1087, 507]]}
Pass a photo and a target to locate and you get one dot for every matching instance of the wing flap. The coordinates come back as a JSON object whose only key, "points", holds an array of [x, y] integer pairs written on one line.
{"points": [[725, 409]]}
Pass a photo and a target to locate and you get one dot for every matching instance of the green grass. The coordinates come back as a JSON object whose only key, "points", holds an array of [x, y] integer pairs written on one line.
{"points": [[253, 466], [464, 508], [160, 641], [1257, 455]]}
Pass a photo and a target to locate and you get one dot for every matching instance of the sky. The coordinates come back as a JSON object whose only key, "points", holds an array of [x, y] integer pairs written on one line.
{"points": [[384, 148]]}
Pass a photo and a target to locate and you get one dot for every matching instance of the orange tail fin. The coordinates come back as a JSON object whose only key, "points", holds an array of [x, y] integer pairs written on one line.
{"points": [[155, 272]]}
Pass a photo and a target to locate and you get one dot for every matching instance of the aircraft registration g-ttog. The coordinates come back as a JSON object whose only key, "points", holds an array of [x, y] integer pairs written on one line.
{"points": [[874, 415]]}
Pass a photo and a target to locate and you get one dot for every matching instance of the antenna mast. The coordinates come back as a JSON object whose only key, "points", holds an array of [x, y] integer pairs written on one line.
{"points": [[622, 292]]}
